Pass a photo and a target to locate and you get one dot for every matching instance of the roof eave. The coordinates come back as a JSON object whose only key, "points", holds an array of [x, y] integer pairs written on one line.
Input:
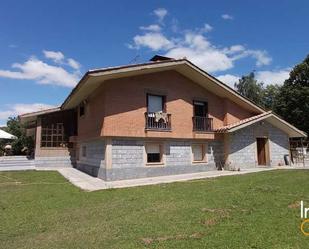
{"points": [[157, 65], [27, 117], [270, 115]]}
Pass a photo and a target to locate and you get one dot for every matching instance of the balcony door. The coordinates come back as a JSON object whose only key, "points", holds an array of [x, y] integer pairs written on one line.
{"points": [[156, 116], [201, 122], [200, 109], [155, 103]]}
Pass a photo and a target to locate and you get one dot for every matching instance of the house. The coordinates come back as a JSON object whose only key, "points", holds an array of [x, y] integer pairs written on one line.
{"points": [[162, 117]]}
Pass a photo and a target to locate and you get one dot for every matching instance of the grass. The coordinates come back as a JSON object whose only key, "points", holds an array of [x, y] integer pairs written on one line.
{"points": [[260, 210]]}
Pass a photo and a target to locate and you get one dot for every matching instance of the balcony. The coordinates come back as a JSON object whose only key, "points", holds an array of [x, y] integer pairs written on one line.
{"points": [[202, 124], [157, 121]]}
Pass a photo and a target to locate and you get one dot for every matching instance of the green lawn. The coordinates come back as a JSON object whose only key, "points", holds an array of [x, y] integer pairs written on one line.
{"points": [[43, 210]]}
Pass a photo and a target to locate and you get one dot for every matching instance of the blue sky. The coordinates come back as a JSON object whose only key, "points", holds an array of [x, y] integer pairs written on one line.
{"points": [[46, 46]]}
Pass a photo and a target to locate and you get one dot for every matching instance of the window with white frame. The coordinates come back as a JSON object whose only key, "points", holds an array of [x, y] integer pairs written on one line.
{"points": [[154, 153], [198, 152]]}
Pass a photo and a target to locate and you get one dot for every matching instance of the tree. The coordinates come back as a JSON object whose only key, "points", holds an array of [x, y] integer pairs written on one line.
{"points": [[270, 95], [293, 99], [15, 128], [250, 88]]}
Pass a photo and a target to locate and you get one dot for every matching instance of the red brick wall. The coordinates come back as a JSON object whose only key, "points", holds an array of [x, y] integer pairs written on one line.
{"points": [[117, 107], [234, 113], [90, 125]]}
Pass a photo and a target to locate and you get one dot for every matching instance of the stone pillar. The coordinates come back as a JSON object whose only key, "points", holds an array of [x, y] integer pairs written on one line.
{"points": [[38, 137], [226, 141], [108, 153]]}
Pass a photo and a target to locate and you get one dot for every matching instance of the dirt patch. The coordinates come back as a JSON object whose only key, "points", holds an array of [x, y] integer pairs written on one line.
{"points": [[149, 241], [294, 205], [196, 235], [220, 211], [210, 222]]}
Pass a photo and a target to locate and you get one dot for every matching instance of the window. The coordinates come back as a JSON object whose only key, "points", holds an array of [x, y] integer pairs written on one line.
{"points": [[154, 153], [200, 108], [53, 136], [81, 109], [198, 153], [155, 103], [84, 151]]}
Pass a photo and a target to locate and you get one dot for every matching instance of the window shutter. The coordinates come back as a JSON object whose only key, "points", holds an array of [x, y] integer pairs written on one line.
{"points": [[197, 152], [153, 148]]}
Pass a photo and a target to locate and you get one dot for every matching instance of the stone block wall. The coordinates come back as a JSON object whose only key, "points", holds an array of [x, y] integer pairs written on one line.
{"points": [[243, 150], [178, 153], [279, 146], [127, 153], [128, 159], [94, 161]]}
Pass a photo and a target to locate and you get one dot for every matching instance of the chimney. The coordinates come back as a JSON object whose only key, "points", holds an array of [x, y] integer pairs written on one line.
{"points": [[157, 58]]}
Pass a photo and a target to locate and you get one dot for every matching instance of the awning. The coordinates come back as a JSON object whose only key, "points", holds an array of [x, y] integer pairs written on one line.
{"points": [[6, 135]]}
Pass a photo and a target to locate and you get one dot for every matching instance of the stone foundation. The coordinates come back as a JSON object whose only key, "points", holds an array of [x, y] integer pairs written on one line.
{"points": [[129, 162], [128, 156], [93, 162]]}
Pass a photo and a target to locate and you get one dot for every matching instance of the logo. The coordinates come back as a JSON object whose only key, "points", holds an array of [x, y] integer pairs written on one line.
{"points": [[304, 215]]}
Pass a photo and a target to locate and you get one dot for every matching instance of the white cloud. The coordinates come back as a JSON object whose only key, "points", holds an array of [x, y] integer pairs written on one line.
{"points": [[73, 63], [273, 77], [43, 73], [174, 25], [57, 57], [227, 17], [160, 13], [207, 28], [228, 79], [234, 49], [267, 77], [17, 109], [195, 45], [261, 56], [152, 27], [201, 52], [154, 41]]}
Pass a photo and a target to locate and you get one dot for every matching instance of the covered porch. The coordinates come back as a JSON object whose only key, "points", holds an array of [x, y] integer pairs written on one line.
{"points": [[52, 131]]}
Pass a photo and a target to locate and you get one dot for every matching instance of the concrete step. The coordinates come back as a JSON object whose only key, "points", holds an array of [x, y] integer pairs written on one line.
{"points": [[16, 165], [17, 168], [15, 161], [14, 158]]}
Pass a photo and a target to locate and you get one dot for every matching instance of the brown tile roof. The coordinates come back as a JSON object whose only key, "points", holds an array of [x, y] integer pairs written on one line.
{"points": [[241, 122]]}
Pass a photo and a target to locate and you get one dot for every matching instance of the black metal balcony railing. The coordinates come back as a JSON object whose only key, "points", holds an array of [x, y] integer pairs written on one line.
{"points": [[202, 123], [157, 121]]}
